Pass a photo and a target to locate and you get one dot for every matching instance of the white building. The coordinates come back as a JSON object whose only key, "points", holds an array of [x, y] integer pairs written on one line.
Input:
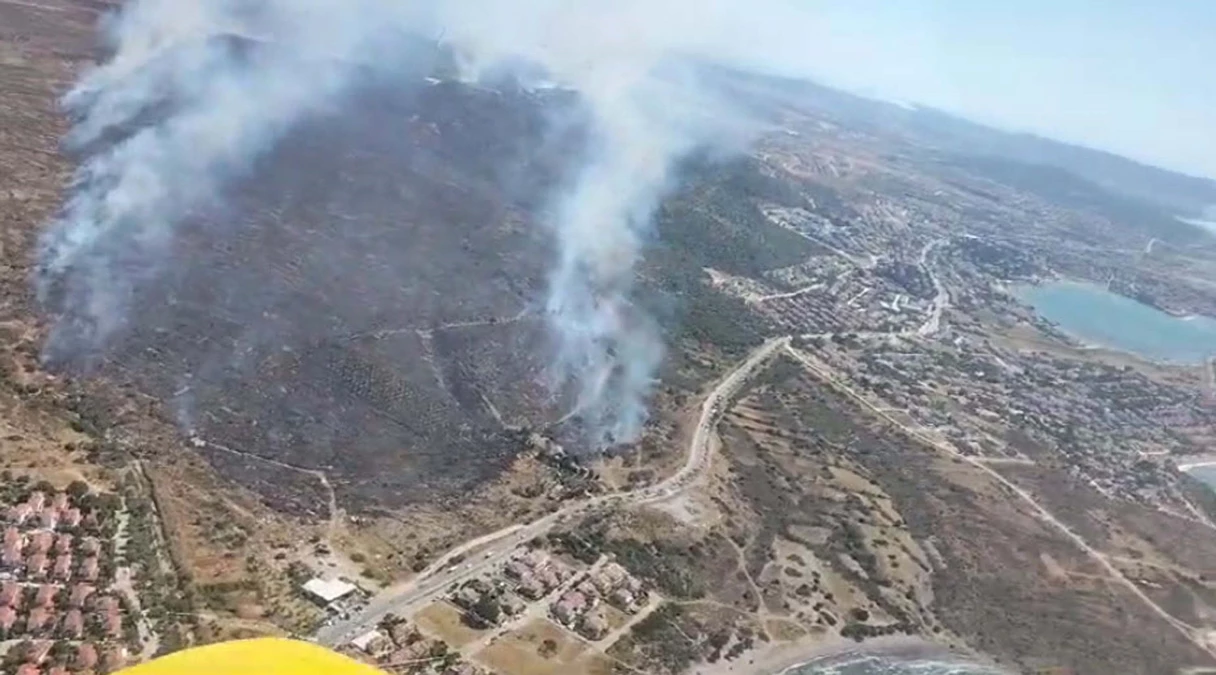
{"points": [[371, 642], [328, 591]]}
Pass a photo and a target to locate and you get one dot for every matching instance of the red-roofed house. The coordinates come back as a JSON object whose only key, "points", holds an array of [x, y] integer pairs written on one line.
{"points": [[86, 656], [10, 558], [41, 542], [569, 607], [58, 670], [38, 620], [13, 536], [19, 514], [10, 594], [70, 517], [113, 621], [39, 650], [63, 543], [36, 566], [80, 594], [73, 624], [8, 617], [28, 669], [115, 659], [89, 569], [90, 546], [46, 595], [63, 567], [49, 518], [60, 501], [36, 501]]}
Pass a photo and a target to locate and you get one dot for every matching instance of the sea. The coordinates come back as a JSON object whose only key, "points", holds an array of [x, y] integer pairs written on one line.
{"points": [[1096, 316], [1206, 474], [891, 665]]}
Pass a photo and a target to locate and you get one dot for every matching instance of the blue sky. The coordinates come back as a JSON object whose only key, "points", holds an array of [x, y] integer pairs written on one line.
{"points": [[1136, 77]]}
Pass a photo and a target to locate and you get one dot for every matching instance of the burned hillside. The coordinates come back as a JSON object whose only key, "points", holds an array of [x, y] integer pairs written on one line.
{"points": [[368, 301], [308, 319]]}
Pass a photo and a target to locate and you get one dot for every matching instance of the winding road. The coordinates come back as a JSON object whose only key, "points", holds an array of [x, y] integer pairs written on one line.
{"points": [[495, 548], [942, 298]]}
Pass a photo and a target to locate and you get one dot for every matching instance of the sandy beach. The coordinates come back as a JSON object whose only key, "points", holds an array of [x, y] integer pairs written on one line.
{"points": [[775, 659]]}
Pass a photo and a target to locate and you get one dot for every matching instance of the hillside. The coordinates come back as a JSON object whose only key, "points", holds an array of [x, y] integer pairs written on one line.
{"points": [[857, 432]]}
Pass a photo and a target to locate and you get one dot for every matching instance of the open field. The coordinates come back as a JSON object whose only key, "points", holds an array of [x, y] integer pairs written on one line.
{"points": [[521, 652]]}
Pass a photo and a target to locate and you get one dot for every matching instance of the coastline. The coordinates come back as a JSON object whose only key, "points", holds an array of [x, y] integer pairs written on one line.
{"points": [[1088, 344], [783, 659], [1187, 463]]}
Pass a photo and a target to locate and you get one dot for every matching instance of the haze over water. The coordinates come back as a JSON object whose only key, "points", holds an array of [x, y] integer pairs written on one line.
{"points": [[1206, 223], [1099, 317]]}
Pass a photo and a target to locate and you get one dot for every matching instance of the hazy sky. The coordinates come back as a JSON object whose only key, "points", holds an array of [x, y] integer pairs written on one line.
{"points": [[1136, 77]]}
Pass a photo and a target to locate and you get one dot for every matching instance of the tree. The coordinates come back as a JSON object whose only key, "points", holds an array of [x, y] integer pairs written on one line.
{"points": [[77, 489], [486, 611], [439, 650], [389, 621]]}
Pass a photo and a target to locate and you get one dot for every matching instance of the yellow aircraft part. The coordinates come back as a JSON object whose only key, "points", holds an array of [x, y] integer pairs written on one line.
{"points": [[259, 656]]}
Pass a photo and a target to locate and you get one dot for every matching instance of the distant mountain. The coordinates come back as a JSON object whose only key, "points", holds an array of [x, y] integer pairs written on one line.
{"points": [[1177, 193], [1068, 189]]}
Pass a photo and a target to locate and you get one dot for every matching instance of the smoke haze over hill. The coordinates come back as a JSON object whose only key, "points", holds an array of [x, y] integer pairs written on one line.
{"points": [[196, 93]]}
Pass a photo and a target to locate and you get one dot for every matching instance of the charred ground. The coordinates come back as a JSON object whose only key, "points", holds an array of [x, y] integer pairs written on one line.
{"points": [[368, 301]]}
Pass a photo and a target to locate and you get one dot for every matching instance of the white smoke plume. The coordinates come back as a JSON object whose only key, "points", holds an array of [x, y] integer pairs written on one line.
{"points": [[619, 56], [183, 111], [176, 114]]}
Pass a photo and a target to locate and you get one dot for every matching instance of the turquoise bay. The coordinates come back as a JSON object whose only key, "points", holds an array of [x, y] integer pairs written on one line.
{"points": [[1097, 316]]}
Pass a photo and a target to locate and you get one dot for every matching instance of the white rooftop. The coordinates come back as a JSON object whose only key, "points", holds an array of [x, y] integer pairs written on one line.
{"points": [[328, 590], [364, 641]]}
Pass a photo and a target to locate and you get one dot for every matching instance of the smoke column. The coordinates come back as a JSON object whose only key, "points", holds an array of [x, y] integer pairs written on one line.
{"points": [[178, 114], [619, 57]]}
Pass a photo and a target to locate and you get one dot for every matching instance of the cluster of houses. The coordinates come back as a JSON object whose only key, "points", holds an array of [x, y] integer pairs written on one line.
{"points": [[580, 604], [399, 645], [535, 574], [38, 545], [472, 593], [38, 512], [582, 607], [54, 611], [529, 575], [39, 657], [52, 590]]}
